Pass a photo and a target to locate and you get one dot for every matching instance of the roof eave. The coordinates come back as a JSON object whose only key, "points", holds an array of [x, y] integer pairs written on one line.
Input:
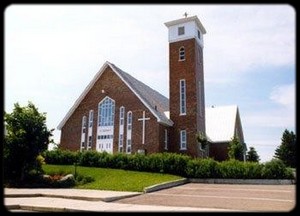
{"points": [[83, 94]]}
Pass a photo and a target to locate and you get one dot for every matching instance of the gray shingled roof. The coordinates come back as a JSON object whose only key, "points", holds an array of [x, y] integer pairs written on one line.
{"points": [[153, 100], [156, 101]]}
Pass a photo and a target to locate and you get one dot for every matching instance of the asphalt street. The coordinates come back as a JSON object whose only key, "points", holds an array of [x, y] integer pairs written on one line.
{"points": [[252, 198]]}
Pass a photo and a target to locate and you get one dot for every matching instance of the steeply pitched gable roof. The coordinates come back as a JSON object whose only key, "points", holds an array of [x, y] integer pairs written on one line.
{"points": [[220, 122], [153, 100]]}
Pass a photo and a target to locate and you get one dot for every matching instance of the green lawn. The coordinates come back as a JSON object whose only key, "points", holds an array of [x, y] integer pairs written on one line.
{"points": [[112, 179]]}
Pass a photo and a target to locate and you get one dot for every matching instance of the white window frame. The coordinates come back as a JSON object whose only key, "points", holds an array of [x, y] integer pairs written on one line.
{"points": [[182, 95], [166, 139], [121, 129], [129, 120], [122, 115], [91, 118], [83, 132], [90, 140], [129, 132], [181, 54], [200, 99], [183, 142], [107, 116]]}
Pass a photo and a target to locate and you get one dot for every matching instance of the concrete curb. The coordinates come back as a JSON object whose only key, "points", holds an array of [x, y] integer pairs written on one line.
{"points": [[244, 181], [165, 185], [42, 208], [105, 199]]}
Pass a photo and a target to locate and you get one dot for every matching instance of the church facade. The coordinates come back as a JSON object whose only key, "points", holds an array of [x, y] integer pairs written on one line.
{"points": [[118, 113]]}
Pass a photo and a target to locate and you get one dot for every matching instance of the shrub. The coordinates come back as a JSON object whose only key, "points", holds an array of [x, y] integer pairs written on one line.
{"points": [[172, 163], [60, 157], [230, 169], [119, 161], [138, 162], [175, 163], [275, 169], [201, 168], [253, 170], [88, 158]]}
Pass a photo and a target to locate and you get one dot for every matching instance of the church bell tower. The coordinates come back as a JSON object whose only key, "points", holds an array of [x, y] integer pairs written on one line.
{"points": [[186, 85]]}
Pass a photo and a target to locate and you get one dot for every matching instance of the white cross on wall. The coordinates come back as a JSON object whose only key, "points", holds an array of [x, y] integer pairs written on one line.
{"points": [[144, 124]]}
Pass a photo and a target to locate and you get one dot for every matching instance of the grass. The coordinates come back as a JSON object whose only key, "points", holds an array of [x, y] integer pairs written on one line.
{"points": [[112, 179]]}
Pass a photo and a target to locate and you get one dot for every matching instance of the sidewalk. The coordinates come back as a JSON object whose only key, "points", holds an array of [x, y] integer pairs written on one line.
{"points": [[73, 200]]}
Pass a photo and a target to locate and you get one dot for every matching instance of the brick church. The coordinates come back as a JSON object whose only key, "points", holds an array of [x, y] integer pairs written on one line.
{"points": [[118, 113]]}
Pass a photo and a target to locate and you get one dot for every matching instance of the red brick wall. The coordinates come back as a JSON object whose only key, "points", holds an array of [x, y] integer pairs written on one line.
{"points": [[118, 91], [192, 72], [219, 151]]}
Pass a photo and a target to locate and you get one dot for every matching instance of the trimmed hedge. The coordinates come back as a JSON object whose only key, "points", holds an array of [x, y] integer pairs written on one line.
{"points": [[172, 163]]}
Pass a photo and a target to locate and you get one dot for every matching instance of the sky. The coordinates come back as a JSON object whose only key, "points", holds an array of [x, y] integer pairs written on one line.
{"points": [[52, 52]]}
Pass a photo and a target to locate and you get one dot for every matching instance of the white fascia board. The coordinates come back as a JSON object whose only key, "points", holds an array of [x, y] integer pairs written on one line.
{"points": [[83, 94]]}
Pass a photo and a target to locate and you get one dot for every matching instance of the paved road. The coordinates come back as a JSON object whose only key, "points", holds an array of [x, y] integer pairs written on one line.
{"points": [[269, 198]]}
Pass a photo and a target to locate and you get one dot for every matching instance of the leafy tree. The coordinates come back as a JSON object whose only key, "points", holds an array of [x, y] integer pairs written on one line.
{"points": [[287, 150], [235, 149], [26, 137], [252, 155]]}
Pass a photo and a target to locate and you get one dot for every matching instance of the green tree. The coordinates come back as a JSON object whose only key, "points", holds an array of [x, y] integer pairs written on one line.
{"points": [[26, 137], [235, 149], [252, 155], [287, 150]]}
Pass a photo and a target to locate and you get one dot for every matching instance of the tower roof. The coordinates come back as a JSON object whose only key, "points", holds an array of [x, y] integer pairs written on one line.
{"points": [[185, 20]]}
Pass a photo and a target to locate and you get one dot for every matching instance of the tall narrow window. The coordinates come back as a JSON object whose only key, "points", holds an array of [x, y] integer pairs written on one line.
{"points": [[120, 143], [129, 120], [91, 118], [181, 30], [90, 129], [121, 128], [83, 132], [122, 110], [183, 140], [200, 99], [166, 139], [182, 93], [181, 54], [129, 131]]}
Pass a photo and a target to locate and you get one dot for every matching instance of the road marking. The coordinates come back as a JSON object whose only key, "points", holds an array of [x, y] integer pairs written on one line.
{"points": [[236, 189], [223, 197]]}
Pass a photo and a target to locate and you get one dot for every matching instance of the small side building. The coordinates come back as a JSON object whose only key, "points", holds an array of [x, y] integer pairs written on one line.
{"points": [[222, 124]]}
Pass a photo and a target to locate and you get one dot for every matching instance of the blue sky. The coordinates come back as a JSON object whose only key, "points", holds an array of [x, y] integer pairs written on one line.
{"points": [[53, 51]]}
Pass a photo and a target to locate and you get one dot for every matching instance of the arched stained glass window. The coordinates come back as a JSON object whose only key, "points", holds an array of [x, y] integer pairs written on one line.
{"points": [[106, 112]]}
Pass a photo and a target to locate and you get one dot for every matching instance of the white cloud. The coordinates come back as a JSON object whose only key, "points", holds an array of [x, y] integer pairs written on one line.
{"points": [[244, 38], [284, 95], [270, 118]]}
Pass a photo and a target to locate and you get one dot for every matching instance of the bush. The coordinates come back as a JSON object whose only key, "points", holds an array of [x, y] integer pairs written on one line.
{"points": [[253, 170], [89, 158], [138, 162], [230, 169], [172, 163], [81, 180], [201, 168], [60, 157], [175, 163], [275, 169]]}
